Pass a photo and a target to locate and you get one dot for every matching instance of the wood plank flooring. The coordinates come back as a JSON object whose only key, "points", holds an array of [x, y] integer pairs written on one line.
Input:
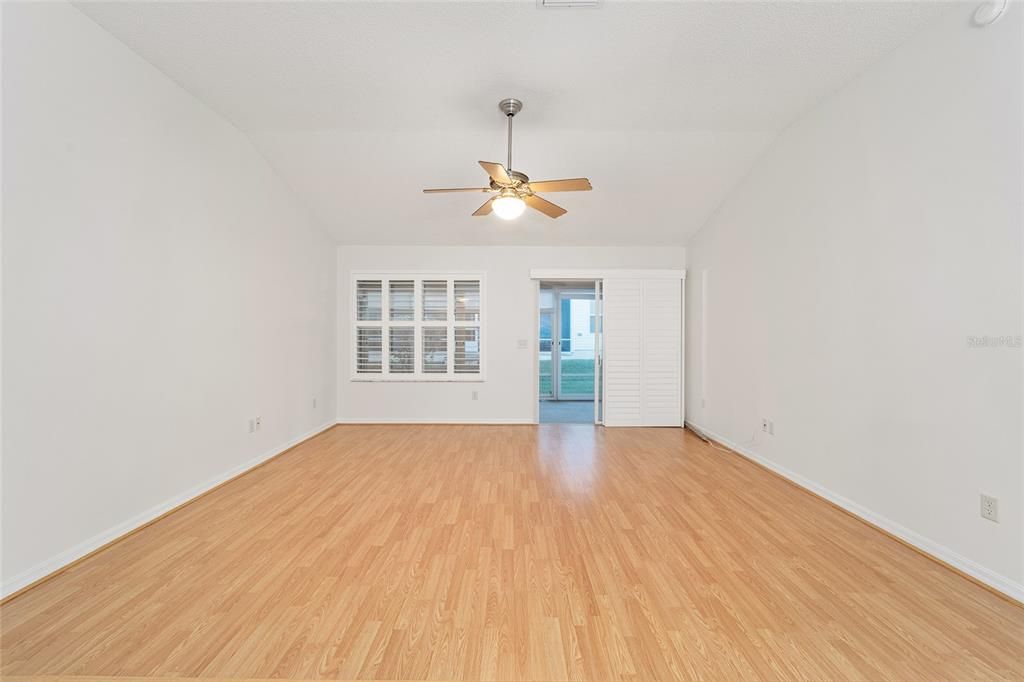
{"points": [[556, 552]]}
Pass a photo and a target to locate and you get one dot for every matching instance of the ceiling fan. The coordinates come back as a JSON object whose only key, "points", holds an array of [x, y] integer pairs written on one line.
{"points": [[514, 190]]}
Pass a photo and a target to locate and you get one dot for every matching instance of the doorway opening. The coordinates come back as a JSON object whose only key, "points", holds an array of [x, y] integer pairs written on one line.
{"points": [[569, 352]]}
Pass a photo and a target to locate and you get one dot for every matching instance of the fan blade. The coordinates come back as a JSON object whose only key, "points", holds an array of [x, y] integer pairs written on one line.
{"points": [[497, 172], [458, 189], [570, 185], [544, 206], [485, 209]]}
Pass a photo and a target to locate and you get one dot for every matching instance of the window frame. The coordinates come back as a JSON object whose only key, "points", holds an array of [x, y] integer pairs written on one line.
{"points": [[385, 324]]}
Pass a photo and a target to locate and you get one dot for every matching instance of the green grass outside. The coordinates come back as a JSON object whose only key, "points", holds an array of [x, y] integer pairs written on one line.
{"points": [[577, 377]]}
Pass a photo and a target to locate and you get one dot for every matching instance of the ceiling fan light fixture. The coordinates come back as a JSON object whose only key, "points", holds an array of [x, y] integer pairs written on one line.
{"points": [[508, 206]]}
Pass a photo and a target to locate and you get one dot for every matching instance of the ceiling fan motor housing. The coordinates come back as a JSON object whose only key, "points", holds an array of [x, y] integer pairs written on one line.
{"points": [[518, 178]]}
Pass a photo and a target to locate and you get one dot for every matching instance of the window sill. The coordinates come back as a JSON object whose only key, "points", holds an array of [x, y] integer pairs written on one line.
{"points": [[469, 379]]}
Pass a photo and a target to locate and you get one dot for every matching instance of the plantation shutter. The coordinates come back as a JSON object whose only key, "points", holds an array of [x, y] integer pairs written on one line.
{"points": [[435, 350], [623, 302], [661, 380], [402, 300], [368, 300], [467, 300], [643, 351], [369, 352], [417, 326], [402, 350], [435, 300], [467, 350]]}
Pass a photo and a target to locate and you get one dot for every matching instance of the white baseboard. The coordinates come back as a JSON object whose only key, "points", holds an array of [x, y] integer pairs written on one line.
{"points": [[375, 420], [1009, 587], [55, 563]]}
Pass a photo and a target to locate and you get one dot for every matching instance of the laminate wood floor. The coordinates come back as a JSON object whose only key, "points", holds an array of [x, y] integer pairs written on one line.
{"points": [[511, 553]]}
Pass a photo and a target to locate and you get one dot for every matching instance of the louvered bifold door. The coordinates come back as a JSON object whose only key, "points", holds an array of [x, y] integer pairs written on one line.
{"points": [[623, 327], [662, 366]]}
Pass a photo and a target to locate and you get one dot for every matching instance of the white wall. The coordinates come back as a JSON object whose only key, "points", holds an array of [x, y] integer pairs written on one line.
{"points": [[844, 277], [507, 395], [160, 287]]}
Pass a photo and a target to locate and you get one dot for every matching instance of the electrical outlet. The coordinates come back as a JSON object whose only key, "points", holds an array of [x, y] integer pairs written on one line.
{"points": [[314, 403], [522, 344], [259, 423], [476, 395], [252, 426], [989, 508], [764, 425]]}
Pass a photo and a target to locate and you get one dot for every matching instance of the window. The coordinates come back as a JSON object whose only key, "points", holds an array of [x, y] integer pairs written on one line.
{"points": [[467, 300], [435, 350], [435, 300], [402, 294], [409, 327], [368, 354], [402, 347], [368, 298], [467, 350]]}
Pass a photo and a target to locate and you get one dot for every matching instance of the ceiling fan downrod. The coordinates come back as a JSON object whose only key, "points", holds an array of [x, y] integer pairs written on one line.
{"points": [[510, 107]]}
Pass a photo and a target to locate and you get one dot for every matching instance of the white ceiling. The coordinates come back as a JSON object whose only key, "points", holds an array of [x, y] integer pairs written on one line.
{"points": [[663, 105]]}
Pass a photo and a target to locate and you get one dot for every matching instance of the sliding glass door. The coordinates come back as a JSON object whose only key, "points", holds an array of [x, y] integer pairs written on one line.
{"points": [[568, 333]]}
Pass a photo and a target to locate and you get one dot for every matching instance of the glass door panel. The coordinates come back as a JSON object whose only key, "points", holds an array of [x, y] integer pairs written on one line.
{"points": [[576, 345], [568, 331], [547, 359]]}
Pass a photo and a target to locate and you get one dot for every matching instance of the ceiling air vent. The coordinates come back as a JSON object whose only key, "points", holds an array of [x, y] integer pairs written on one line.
{"points": [[569, 4]]}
